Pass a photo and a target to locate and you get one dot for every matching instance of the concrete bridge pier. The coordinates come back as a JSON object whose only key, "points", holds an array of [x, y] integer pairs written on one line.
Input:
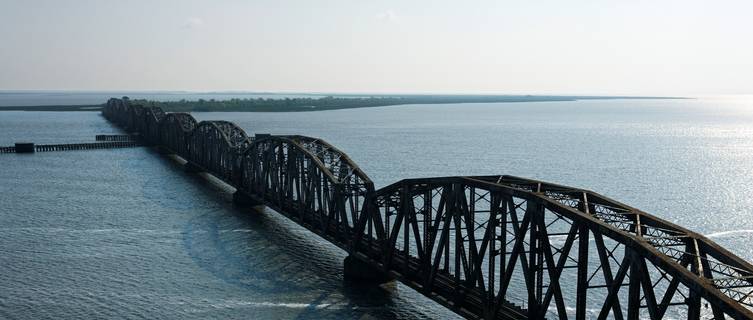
{"points": [[241, 199], [358, 271], [163, 151], [191, 167], [25, 147]]}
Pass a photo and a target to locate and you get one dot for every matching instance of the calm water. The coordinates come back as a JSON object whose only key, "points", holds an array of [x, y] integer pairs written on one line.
{"points": [[125, 234]]}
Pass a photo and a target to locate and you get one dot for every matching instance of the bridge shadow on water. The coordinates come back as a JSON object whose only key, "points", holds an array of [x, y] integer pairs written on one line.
{"points": [[262, 252]]}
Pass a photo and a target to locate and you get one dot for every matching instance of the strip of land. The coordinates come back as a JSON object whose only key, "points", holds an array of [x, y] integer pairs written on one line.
{"points": [[319, 104]]}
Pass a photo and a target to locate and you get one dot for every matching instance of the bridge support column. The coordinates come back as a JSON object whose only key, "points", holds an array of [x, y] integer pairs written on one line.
{"points": [[190, 167], [25, 147], [361, 272], [241, 199], [163, 151]]}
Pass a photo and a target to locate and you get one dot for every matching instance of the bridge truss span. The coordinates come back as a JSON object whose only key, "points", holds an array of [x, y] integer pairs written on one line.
{"points": [[486, 247], [691, 260], [175, 130], [289, 177]]}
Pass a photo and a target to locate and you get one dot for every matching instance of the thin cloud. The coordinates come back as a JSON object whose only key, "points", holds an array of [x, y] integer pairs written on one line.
{"points": [[193, 23], [388, 16]]}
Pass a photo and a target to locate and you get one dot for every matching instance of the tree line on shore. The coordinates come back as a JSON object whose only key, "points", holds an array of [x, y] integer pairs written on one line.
{"points": [[327, 103]]}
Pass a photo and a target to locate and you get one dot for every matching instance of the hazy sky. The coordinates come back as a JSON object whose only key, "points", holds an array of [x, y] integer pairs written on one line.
{"points": [[661, 47]]}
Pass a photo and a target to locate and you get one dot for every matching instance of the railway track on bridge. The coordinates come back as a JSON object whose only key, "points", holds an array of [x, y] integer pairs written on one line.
{"points": [[472, 244]]}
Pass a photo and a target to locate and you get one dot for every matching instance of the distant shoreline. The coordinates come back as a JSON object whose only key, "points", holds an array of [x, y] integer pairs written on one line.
{"points": [[324, 103]]}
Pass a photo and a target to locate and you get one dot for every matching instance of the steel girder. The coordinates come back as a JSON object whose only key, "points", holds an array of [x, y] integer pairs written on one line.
{"points": [[487, 246]]}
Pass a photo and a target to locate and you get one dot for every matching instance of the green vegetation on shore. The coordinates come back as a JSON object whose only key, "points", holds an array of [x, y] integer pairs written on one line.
{"points": [[317, 104], [327, 103]]}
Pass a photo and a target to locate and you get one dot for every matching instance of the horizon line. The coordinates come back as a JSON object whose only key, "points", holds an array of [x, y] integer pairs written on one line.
{"points": [[347, 93]]}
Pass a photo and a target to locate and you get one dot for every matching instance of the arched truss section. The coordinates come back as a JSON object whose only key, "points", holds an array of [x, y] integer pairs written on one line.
{"points": [[110, 110], [292, 179], [152, 117], [118, 111], [337, 162], [175, 131], [726, 280], [236, 136], [561, 251], [216, 146], [136, 121]]}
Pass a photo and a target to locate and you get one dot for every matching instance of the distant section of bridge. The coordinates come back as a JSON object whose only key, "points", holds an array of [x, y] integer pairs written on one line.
{"points": [[486, 247]]}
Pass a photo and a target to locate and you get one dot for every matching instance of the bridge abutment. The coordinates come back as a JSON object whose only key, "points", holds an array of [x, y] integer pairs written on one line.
{"points": [[356, 270]]}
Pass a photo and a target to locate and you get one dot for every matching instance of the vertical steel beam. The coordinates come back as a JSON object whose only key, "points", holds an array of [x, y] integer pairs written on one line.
{"points": [[582, 285], [634, 289], [534, 272], [494, 215], [694, 299]]}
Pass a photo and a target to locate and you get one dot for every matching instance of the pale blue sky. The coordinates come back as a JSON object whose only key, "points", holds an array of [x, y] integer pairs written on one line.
{"points": [[662, 47]]}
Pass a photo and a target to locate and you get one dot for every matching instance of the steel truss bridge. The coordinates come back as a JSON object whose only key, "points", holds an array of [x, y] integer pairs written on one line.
{"points": [[485, 247]]}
